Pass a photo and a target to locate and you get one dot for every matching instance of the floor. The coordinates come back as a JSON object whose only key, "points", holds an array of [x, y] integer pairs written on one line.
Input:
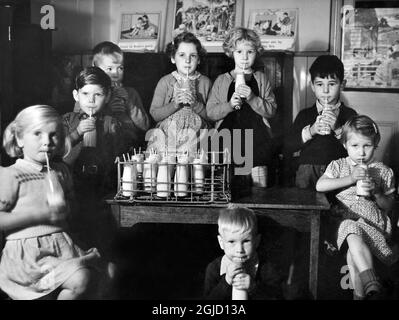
{"points": [[168, 261]]}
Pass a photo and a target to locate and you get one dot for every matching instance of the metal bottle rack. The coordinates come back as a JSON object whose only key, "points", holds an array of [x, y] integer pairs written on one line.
{"points": [[214, 188]]}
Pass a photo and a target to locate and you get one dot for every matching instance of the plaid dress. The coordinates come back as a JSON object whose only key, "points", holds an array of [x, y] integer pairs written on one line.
{"points": [[361, 215]]}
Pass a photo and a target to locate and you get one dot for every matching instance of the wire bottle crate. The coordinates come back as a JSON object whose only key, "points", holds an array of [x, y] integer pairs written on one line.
{"points": [[139, 181]]}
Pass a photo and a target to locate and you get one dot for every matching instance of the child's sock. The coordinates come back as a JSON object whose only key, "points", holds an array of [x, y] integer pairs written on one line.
{"points": [[370, 281]]}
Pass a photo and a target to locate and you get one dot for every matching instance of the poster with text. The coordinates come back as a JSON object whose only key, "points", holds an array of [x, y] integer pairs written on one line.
{"points": [[276, 27], [140, 31]]}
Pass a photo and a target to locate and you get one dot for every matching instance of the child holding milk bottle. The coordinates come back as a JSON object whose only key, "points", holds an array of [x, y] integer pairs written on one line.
{"points": [[240, 274]]}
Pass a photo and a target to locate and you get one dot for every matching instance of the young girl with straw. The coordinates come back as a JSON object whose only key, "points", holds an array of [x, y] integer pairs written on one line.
{"points": [[40, 260], [178, 105]]}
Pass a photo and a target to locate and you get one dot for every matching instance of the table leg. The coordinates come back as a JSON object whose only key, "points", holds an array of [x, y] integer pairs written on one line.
{"points": [[314, 253]]}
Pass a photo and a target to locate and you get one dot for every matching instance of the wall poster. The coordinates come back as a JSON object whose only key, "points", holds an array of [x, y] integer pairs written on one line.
{"points": [[370, 44], [276, 27], [209, 20], [140, 31]]}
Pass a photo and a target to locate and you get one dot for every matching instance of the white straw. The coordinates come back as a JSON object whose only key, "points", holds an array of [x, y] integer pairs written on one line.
{"points": [[48, 171], [47, 161]]}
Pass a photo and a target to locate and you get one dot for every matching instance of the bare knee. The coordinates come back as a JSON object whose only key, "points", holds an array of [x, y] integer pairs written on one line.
{"points": [[356, 244], [79, 282]]}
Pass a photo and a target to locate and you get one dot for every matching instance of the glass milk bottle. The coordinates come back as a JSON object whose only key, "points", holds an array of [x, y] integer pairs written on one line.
{"points": [[55, 193], [199, 176], [326, 107], [240, 79], [360, 190], [185, 86], [181, 176], [165, 174], [129, 179], [150, 172], [90, 137], [139, 158], [238, 294]]}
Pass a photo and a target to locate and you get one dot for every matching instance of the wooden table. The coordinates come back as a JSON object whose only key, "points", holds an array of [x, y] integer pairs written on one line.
{"points": [[294, 207]]}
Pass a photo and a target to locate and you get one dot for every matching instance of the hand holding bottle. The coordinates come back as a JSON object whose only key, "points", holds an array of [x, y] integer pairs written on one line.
{"points": [[86, 125], [364, 184], [242, 281], [244, 91], [232, 270], [318, 127], [185, 98], [235, 101], [359, 172]]}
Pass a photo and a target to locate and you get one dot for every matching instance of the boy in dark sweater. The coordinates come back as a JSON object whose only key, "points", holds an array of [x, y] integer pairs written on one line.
{"points": [[240, 268], [316, 131], [316, 134]]}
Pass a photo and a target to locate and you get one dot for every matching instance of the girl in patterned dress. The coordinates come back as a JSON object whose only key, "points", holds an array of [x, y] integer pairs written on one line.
{"points": [[365, 226], [178, 110], [39, 258]]}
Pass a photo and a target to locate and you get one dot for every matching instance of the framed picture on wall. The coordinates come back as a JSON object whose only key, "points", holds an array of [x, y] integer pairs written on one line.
{"points": [[370, 45], [277, 28], [140, 31], [209, 20]]}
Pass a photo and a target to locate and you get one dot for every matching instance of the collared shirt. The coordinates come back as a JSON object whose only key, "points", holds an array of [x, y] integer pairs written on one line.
{"points": [[29, 164]]}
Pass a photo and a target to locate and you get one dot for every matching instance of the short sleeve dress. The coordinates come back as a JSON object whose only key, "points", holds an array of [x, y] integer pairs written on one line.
{"points": [[361, 215]]}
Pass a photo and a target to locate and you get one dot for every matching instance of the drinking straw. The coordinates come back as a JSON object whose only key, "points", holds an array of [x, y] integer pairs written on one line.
{"points": [[48, 170], [47, 161]]}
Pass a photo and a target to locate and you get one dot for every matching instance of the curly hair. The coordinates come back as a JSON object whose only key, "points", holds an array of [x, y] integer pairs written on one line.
{"points": [[241, 34], [186, 37]]}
